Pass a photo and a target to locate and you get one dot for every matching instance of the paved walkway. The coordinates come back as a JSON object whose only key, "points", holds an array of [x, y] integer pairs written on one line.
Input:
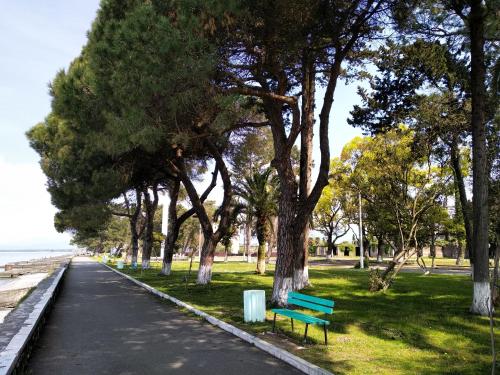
{"points": [[103, 324]]}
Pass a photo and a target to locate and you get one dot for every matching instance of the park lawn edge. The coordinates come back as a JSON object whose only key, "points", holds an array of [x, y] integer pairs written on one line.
{"points": [[276, 351], [408, 350]]}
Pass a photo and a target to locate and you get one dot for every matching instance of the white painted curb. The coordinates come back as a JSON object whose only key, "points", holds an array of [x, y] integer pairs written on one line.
{"points": [[285, 356], [13, 351]]}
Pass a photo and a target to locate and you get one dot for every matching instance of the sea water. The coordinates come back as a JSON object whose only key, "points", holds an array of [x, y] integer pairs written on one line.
{"points": [[11, 256]]}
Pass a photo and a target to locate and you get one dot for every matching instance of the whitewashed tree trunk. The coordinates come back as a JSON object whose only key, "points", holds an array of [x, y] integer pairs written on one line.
{"points": [[481, 298], [145, 264], [207, 259], [166, 268], [261, 266], [301, 278], [281, 288], [284, 270], [204, 274]]}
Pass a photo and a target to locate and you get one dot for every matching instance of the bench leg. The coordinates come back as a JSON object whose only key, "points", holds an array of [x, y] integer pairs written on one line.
{"points": [[292, 323], [305, 333], [326, 335], [274, 321]]}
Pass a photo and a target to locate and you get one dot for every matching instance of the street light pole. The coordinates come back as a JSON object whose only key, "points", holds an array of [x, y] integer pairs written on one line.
{"points": [[361, 252], [199, 243]]}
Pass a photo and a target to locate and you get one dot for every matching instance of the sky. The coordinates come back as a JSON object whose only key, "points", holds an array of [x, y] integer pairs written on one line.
{"points": [[37, 39]]}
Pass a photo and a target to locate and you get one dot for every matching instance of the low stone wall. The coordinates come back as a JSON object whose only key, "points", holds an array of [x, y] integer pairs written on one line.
{"points": [[22, 326]]}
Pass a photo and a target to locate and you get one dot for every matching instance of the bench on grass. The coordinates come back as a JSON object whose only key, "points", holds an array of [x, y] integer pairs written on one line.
{"points": [[311, 303]]}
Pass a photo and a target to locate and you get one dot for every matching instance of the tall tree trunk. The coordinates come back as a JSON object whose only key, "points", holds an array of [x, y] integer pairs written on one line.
{"points": [[420, 259], [261, 229], [211, 238], [226, 251], [147, 243], [287, 206], [495, 286], [187, 241], [462, 196], [272, 240], [301, 270], [283, 274], [261, 258], [172, 228], [248, 239], [366, 249], [135, 232], [294, 213], [329, 244], [380, 249], [207, 260], [433, 247], [460, 253], [134, 239], [168, 255], [481, 293]]}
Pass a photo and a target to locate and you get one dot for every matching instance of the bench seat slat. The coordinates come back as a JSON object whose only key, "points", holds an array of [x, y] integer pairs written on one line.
{"points": [[313, 299], [299, 316], [309, 305]]}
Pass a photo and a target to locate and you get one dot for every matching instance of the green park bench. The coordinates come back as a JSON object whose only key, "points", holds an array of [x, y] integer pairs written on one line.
{"points": [[311, 303]]}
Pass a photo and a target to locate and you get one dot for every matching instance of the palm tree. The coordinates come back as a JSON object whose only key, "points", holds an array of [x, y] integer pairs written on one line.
{"points": [[237, 208], [259, 193]]}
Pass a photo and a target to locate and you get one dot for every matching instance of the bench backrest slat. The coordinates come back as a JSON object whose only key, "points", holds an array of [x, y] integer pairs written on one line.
{"points": [[311, 302], [313, 299]]}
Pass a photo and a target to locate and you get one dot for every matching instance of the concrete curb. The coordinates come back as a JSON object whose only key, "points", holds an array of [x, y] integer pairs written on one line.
{"points": [[285, 356], [13, 352]]}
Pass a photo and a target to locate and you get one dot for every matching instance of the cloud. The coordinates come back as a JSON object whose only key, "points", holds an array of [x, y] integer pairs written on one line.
{"points": [[26, 213]]}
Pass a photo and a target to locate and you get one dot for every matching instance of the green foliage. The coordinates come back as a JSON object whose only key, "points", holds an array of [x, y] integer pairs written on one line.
{"points": [[251, 151], [188, 235], [158, 236], [136, 96], [352, 248], [329, 217], [404, 71], [401, 185], [112, 237]]}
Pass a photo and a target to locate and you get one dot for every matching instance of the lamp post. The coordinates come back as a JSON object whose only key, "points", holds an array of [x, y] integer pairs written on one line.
{"points": [[199, 243], [361, 252], [164, 224]]}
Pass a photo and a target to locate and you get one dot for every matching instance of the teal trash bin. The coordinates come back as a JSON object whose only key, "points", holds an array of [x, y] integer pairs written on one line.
{"points": [[119, 264]]}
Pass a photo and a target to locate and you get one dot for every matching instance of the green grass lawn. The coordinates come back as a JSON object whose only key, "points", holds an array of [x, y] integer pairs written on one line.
{"points": [[420, 326]]}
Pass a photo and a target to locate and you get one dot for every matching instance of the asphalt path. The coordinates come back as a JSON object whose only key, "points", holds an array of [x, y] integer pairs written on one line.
{"points": [[102, 323]]}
